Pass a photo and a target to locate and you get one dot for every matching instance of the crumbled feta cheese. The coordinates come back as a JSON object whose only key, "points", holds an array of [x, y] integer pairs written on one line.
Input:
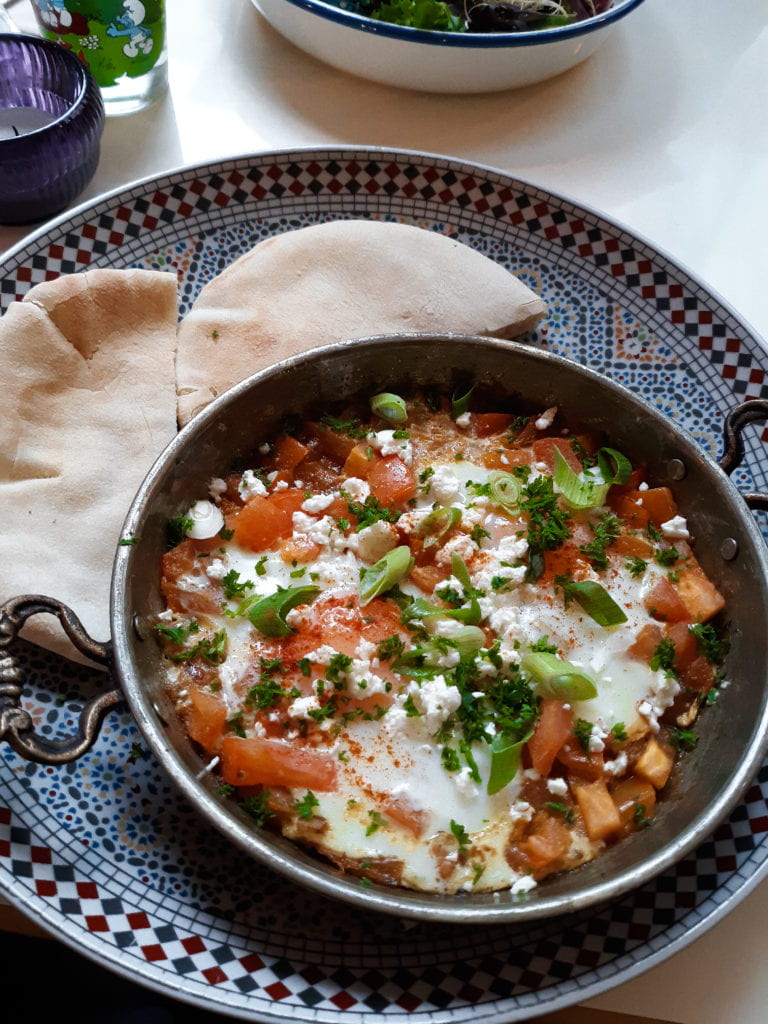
{"points": [[546, 419], [355, 488], [216, 488], [385, 442], [522, 885], [444, 485], [216, 569], [675, 529], [557, 786], [251, 485], [521, 810], [463, 421], [618, 766], [317, 503]]}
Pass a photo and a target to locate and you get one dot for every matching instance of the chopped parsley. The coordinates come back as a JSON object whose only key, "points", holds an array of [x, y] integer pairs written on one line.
{"points": [[176, 530], [619, 732], [233, 587], [567, 812], [371, 511], [640, 816], [306, 806], [376, 821], [462, 837], [667, 556], [710, 643], [548, 523], [582, 730], [635, 566], [664, 656], [683, 739], [605, 532], [257, 806]]}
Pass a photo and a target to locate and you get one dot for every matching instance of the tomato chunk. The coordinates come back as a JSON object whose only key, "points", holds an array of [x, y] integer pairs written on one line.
{"points": [[392, 481], [206, 718], [265, 521], [664, 602], [486, 424], [553, 728], [253, 761]]}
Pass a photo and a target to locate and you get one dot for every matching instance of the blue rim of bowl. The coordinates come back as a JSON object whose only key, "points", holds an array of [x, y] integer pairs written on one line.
{"points": [[468, 40], [67, 56]]}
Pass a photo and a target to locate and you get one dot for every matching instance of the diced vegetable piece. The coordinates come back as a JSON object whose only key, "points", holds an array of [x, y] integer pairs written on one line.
{"points": [[686, 648], [699, 675], [486, 424], [648, 639], [578, 762], [179, 562], [392, 481], [655, 763], [265, 521], [359, 462], [700, 597], [631, 794], [401, 811], [299, 549], [633, 546], [288, 453], [659, 504], [334, 443], [600, 814], [554, 726], [253, 761], [629, 508], [206, 718], [542, 452], [427, 577], [664, 602], [546, 844], [506, 458]]}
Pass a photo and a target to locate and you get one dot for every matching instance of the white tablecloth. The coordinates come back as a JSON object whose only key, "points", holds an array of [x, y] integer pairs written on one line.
{"points": [[664, 130]]}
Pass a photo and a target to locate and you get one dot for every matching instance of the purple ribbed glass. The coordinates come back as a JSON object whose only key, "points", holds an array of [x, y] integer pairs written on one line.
{"points": [[43, 171]]}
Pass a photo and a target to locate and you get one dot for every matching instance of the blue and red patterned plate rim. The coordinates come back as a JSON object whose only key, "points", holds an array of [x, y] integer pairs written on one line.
{"points": [[113, 863]]}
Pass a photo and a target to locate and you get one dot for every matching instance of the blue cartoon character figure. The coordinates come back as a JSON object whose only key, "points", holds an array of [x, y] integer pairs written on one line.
{"points": [[54, 16], [139, 37]]}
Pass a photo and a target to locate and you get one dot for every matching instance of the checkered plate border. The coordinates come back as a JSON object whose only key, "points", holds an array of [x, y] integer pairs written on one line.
{"points": [[113, 862]]}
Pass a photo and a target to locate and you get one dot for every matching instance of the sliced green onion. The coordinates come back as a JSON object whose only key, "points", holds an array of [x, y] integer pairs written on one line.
{"points": [[553, 677], [390, 407], [268, 613], [460, 404], [578, 489], [596, 602], [437, 524], [505, 490], [466, 639], [505, 760], [615, 468], [388, 571], [471, 614]]}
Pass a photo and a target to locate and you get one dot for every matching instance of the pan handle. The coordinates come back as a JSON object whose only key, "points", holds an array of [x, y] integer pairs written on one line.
{"points": [[753, 411], [16, 725]]}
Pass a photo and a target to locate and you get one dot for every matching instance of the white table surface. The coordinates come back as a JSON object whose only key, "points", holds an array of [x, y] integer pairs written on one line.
{"points": [[664, 130]]}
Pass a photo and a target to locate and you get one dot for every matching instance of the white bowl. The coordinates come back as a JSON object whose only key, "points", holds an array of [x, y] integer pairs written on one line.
{"points": [[437, 61]]}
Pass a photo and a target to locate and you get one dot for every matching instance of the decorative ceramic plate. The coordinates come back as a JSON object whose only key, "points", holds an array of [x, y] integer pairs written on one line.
{"points": [[112, 860]]}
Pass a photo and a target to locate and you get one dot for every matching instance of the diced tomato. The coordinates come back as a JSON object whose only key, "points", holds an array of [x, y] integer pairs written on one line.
{"points": [[254, 761], [699, 675], [545, 845], [658, 503], [183, 561], [542, 452], [301, 549], [318, 473], [427, 577], [392, 482], [630, 545], [577, 762], [553, 728], [631, 793], [630, 509], [359, 462], [287, 455], [265, 521], [600, 814], [700, 597], [646, 643], [206, 718], [332, 443], [685, 645], [506, 459], [402, 812], [664, 602], [486, 424]]}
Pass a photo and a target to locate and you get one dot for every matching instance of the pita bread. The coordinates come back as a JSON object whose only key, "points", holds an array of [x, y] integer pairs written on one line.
{"points": [[87, 378], [334, 281]]}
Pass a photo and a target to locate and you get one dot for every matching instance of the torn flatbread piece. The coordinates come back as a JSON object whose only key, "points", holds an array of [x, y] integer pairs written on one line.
{"points": [[87, 379], [330, 282]]}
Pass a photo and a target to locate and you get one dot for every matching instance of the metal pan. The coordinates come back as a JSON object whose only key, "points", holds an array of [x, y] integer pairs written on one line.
{"points": [[733, 733]]}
